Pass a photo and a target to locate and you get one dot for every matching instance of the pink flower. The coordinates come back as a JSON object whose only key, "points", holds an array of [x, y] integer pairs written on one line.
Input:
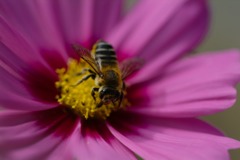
{"points": [[166, 94]]}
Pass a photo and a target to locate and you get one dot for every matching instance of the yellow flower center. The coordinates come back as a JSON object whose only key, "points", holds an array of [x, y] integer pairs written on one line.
{"points": [[77, 96]]}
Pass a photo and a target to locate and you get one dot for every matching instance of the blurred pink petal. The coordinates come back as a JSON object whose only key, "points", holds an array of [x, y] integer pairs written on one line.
{"points": [[35, 22], [194, 86], [81, 21], [33, 135], [98, 148], [20, 54], [86, 21], [152, 137], [28, 79], [25, 86], [53, 135], [161, 31]]}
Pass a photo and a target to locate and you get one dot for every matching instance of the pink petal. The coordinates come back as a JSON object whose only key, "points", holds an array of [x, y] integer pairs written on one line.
{"points": [[34, 135], [27, 93], [28, 80], [25, 86], [95, 147], [53, 24], [194, 86], [160, 31], [86, 21], [17, 52], [161, 138], [35, 22], [54, 134]]}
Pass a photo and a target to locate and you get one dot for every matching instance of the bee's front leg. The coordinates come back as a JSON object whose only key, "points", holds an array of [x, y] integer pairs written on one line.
{"points": [[99, 104], [84, 71], [93, 92], [93, 76]]}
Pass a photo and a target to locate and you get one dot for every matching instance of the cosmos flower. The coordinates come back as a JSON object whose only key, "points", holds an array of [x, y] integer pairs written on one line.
{"points": [[158, 116]]}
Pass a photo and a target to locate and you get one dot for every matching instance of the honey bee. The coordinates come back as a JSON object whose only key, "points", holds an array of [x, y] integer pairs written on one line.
{"points": [[108, 74]]}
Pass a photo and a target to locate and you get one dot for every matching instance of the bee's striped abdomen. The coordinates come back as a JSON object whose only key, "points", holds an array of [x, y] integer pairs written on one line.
{"points": [[105, 55]]}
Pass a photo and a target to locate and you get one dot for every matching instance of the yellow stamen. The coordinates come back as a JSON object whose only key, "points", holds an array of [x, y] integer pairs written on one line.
{"points": [[78, 96]]}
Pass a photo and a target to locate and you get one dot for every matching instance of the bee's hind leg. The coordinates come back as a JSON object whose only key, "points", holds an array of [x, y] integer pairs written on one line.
{"points": [[93, 92], [120, 100]]}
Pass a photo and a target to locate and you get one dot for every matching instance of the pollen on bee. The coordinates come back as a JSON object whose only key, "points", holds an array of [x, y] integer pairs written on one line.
{"points": [[77, 96]]}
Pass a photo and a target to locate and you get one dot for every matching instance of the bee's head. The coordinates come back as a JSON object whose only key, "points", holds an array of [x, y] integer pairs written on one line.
{"points": [[109, 94]]}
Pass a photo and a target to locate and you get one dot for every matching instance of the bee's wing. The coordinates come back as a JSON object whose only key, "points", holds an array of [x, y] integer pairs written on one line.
{"points": [[129, 66], [86, 56]]}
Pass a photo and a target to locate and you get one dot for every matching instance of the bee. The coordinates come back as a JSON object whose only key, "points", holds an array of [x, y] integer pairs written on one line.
{"points": [[104, 68]]}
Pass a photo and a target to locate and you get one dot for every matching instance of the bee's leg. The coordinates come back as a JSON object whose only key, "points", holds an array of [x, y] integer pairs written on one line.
{"points": [[113, 103], [93, 92], [93, 76], [84, 71], [120, 100], [123, 86], [99, 104]]}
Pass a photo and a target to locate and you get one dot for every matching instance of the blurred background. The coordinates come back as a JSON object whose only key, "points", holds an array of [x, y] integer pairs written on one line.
{"points": [[224, 34]]}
